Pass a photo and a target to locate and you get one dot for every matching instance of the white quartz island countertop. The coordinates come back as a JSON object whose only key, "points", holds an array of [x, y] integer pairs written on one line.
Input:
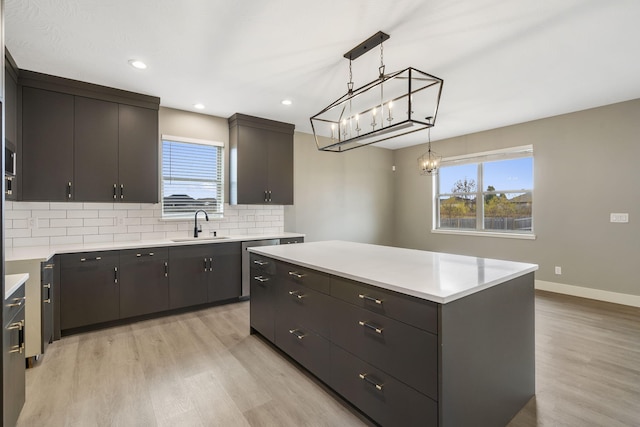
{"points": [[434, 276]]}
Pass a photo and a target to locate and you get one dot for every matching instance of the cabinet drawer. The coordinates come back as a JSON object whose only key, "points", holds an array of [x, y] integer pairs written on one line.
{"points": [[406, 352], [296, 275], [88, 259], [414, 311], [304, 305], [305, 346], [376, 393], [291, 240], [14, 303], [262, 265]]}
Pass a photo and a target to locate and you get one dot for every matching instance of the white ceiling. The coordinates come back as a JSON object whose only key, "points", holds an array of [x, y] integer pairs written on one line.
{"points": [[503, 62]]}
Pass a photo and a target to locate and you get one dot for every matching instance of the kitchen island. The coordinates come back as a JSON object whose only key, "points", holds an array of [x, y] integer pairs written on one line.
{"points": [[408, 337]]}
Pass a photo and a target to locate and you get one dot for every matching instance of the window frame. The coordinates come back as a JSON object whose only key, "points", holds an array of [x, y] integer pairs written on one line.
{"points": [[479, 159], [188, 140]]}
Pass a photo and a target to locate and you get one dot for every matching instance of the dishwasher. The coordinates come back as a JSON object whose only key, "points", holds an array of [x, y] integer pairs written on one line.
{"points": [[246, 266]]}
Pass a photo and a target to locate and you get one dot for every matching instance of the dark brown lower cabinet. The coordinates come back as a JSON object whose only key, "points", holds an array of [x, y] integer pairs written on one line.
{"points": [[401, 360], [89, 288], [225, 278], [144, 281], [14, 363], [47, 279]]}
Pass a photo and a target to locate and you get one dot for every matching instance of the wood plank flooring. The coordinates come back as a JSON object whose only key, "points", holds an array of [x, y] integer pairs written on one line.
{"points": [[204, 369]]}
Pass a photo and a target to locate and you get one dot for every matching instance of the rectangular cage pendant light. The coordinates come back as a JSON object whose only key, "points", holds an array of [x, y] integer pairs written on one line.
{"points": [[395, 105]]}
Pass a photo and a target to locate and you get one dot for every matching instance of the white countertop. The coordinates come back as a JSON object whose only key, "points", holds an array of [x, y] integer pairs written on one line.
{"points": [[434, 276], [12, 282], [43, 253]]}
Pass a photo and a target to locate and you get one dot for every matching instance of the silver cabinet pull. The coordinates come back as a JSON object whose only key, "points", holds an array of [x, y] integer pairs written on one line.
{"points": [[210, 264], [20, 327], [149, 254], [372, 299], [115, 275], [69, 190], [18, 302], [205, 265], [166, 269], [259, 262], [370, 326], [121, 191], [296, 274], [261, 279], [98, 258], [17, 349], [115, 191], [49, 266], [297, 333], [47, 286], [365, 377], [297, 294], [15, 325]]}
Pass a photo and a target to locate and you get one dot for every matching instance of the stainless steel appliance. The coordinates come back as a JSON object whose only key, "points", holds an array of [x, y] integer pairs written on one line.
{"points": [[246, 266]]}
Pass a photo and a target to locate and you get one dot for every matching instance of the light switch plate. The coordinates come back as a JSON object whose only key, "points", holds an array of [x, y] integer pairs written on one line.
{"points": [[619, 217]]}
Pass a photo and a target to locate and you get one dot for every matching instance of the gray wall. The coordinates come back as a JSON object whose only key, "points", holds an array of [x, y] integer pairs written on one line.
{"points": [[586, 165], [342, 196]]}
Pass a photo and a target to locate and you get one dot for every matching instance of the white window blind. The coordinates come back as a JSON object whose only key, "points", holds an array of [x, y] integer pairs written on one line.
{"points": [[192, 176]]}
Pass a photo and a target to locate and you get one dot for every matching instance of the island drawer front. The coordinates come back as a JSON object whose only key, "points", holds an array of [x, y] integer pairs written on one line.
{"points": [[393, 404], [262, 265], [414, 311], [305, 305], [306, 347], [262, 308], [294, 274], [14, 303], [408, 353]]}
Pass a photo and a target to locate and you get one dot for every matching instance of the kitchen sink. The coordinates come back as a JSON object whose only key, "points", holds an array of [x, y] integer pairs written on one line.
{"points": [[198, 239]]}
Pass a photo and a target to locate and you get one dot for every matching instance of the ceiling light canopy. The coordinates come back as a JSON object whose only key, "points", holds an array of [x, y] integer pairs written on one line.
{"points": [[286, 102], [136, 63], [198, 106], [394, 105]]}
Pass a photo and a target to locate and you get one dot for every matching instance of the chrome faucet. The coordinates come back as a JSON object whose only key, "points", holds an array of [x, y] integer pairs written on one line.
{"points": [[197, 229]]}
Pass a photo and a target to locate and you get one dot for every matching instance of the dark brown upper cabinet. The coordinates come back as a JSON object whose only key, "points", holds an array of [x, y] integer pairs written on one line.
{"points": [[261, 161], [46, 157], [86, 143]]}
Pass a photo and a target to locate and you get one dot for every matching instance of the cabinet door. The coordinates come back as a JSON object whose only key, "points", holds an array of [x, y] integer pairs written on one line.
{"points": [[47, 271], [225, 281], [252, 165], [280, 173], [144, 281], [13, 366], [263, 296], [95, 149], [89, 289], [10, 107], [138, 154], [188, 274], [47, 145]]}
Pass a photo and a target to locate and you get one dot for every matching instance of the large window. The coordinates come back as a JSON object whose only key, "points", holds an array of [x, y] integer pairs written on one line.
{"points": [[192, 176], [486, 192]]}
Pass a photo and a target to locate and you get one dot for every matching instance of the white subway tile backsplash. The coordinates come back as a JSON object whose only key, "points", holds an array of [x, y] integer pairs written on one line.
{"points": [[66, 240], [75, 223]]}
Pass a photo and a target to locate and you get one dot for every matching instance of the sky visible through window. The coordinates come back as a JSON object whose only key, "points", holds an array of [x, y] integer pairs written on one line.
{"points": [[515, 174]]}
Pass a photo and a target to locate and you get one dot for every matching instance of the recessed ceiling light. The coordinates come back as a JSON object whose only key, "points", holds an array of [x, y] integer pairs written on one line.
{"points": [[136, 63], [198, 106], [286, 102]]}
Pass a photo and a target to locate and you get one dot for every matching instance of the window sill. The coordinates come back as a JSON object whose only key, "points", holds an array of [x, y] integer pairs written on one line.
{"points": [[522, 236], [212, 217]]}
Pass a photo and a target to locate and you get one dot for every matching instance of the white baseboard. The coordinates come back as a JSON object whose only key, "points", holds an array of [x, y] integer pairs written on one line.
{"points": [[597, 294]]}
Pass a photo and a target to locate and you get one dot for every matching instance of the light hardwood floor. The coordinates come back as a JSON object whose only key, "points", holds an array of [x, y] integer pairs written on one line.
{"points": [[204, 369]]}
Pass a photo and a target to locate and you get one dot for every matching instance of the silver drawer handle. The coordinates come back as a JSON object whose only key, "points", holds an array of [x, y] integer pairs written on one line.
{"points": [[370, 326], [141, 255], [98, 258], [261, 279], [18, 302], [365, 377], [258, 262], [49, 266], [16, 325], [297, 294], [296, 274], [17, 349], [368, 298], [297, 333]]}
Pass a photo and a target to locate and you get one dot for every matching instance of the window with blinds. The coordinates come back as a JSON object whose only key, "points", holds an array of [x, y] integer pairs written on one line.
{"points": [[192, 176]]}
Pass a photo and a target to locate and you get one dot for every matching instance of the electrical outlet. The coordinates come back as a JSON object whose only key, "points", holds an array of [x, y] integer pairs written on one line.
{"points": [[619, 217], [558, 270]]}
